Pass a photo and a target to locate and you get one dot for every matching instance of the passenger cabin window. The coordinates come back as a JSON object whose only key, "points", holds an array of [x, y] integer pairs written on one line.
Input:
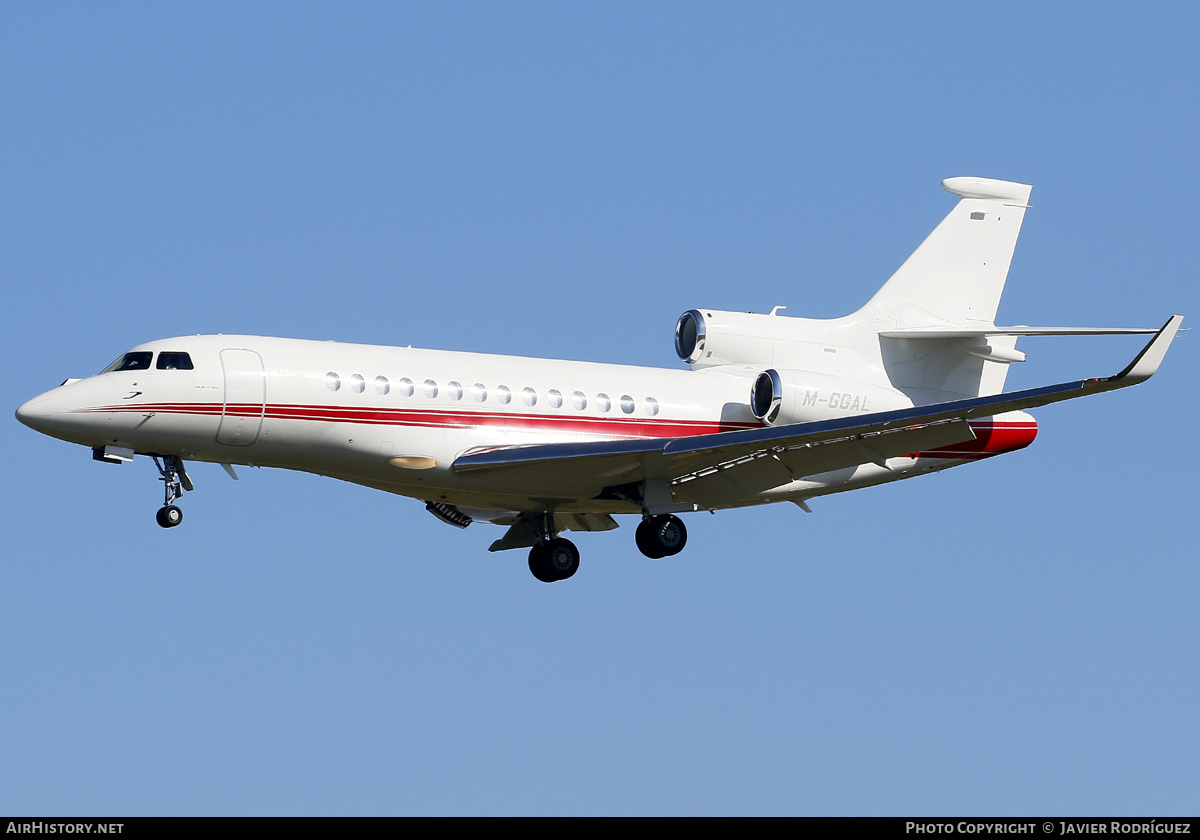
{"points": [[503, 394], [406, 387], [333, 381], [174, 361], [627, 404], [357, 384], [131, 361], [555, 398]]}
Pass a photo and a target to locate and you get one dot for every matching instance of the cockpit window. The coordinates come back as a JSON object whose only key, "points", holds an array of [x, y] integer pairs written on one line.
{"points": [[131, 361], [174, 361]]}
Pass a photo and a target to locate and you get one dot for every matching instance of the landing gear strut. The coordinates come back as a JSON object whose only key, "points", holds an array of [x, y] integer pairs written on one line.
{"points": [[175, 480], [660, 536]]}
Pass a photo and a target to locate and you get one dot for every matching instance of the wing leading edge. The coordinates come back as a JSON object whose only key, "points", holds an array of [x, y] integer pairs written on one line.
{"points": [[729, 464]]}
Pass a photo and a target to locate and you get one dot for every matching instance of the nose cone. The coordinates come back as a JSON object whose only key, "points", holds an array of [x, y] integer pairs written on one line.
{"points": [[35, 412], [73, 412]]}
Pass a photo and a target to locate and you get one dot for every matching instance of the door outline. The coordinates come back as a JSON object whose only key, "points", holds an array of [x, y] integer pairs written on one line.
{"points": [[245, 396]]}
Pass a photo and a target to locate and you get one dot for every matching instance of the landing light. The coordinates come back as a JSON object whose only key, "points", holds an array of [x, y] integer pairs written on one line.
{"points": [[413, 462]]}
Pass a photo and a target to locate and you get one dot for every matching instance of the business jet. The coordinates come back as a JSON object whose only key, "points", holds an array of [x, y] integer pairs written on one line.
{"points": [[772, 408]]}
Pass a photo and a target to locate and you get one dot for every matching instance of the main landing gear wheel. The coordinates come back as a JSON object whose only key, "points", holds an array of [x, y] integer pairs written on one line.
{"points": [[660, 536], [554, 560], [169, 516]]}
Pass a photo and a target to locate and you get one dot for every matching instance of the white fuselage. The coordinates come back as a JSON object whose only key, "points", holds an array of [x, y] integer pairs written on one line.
{"points": [[396, 418]]}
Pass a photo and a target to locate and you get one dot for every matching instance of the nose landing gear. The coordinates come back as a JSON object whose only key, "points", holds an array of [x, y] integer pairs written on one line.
{"points": [[175, 480], [169, 516]]}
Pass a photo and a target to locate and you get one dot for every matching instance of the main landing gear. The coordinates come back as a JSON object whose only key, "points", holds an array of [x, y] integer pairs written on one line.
{"points": [[553, 560], [660, 536], [175, 480]]}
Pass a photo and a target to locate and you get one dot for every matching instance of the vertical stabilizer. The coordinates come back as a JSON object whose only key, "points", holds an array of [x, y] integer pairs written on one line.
{"points": [[958, 273], [955, 278]]}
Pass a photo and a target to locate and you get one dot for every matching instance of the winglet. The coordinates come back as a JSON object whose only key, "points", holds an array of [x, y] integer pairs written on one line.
{"points": [[1147, 362]]}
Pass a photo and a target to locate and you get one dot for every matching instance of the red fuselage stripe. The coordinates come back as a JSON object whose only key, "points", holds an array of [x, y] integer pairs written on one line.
{"points": [[991, 437], [606, 426]]}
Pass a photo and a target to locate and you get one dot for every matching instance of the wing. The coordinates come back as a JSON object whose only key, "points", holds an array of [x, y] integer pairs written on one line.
{"points": [[713, 468]]}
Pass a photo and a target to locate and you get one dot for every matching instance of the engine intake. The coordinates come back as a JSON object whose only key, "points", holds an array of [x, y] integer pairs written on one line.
{"points": [[710, 337], [782, 397], [766, 397], [689, 336]]}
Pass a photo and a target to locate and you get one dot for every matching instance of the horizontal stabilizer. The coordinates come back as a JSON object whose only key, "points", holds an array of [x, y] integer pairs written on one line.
{"points": [[950, 331]]}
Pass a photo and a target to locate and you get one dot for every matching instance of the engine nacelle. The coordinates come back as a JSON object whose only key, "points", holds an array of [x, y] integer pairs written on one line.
{"points": [[782, 397], [709, 337]]}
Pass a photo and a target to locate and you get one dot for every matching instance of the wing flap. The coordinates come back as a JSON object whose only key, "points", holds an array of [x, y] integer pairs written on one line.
{"points": [[835, 455], [766, 467]]}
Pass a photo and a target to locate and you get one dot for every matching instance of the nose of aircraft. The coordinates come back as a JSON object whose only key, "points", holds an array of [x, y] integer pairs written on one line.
{"points": [[35, 412], [71, 412]]}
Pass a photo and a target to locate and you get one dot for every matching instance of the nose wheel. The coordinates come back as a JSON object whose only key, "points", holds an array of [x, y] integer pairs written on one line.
{"points": [[169, 516], [175, 480]]}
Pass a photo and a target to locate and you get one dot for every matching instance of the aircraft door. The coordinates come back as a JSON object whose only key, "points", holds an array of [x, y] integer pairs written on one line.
{"points": [[245, 397]]}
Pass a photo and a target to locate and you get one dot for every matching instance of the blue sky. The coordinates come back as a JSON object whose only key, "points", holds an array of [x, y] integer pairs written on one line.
{"points": [[1014, 637]]}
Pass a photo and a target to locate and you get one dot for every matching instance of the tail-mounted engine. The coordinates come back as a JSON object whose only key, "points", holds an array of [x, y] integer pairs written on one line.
{"points": [[781, 397], [710, 337]]}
